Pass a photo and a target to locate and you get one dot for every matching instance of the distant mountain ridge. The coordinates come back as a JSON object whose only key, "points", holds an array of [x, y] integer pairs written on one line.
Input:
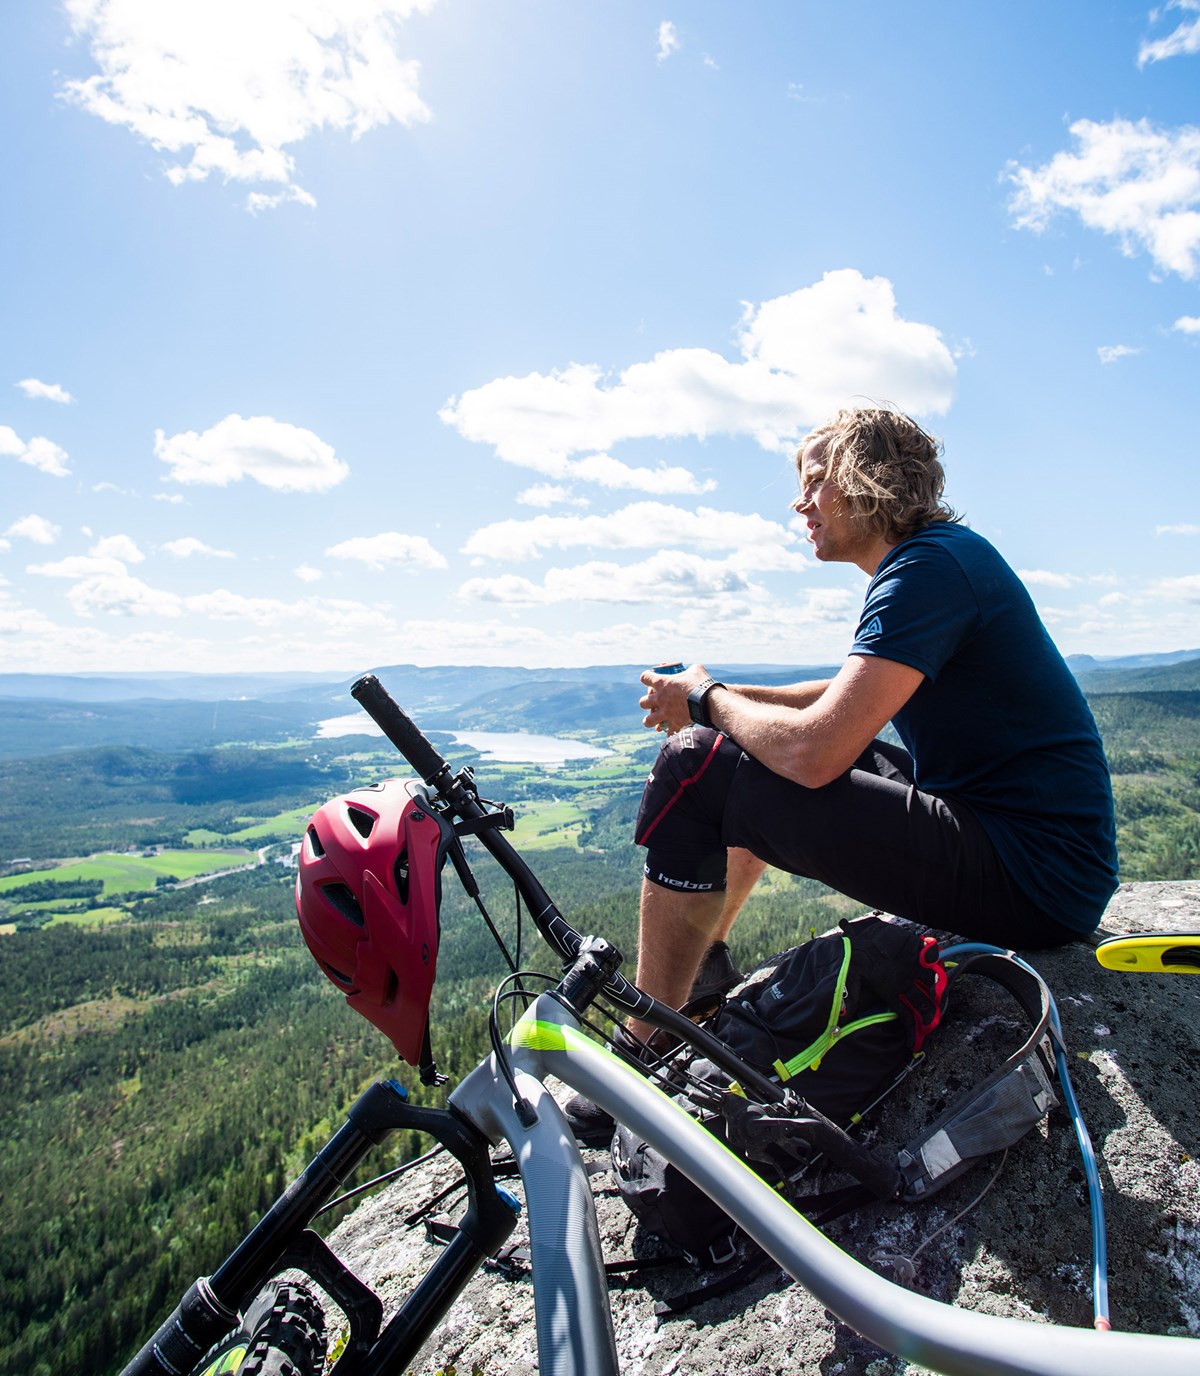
{"points": [[46, 714], [451, 684], [1086, 663]]}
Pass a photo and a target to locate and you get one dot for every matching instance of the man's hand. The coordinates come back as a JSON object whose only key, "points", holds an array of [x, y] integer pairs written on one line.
{"points": [[666, 700]]}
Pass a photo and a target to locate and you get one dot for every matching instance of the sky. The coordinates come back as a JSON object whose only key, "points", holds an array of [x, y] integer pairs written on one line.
{"points": [[342, 333]]}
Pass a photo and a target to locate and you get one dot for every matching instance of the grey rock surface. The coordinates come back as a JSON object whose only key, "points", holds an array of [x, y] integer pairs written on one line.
{"points": [[1023, 1250]]}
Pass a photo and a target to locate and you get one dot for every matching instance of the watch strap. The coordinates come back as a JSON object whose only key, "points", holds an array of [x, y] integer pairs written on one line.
{"points": [[697, 707]]}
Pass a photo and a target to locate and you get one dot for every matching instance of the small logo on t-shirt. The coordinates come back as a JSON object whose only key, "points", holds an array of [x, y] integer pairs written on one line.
{"points": [[873, 627]]}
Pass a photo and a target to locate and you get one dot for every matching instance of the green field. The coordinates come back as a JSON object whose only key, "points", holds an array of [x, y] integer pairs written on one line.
{"points": [[545, 825], [281, 826], [121, 873], [91, 917]]}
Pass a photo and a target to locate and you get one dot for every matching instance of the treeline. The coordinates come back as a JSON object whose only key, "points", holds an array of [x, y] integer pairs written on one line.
{"points": [[118, 797], [35, 726], [47, 890]]}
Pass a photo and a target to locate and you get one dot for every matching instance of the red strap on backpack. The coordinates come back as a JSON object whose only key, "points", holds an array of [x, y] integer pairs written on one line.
{"points": [[925, 999]]}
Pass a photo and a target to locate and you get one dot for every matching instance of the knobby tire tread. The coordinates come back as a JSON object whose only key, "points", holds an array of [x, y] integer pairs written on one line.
{"points": [[284, 1334], [290, 1340]]}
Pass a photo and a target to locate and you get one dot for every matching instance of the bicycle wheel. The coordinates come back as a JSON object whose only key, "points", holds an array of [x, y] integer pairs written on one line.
{"points": [[283, 1334]]}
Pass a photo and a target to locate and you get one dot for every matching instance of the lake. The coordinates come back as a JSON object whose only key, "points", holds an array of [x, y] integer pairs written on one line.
{"points": [[506, 747]]}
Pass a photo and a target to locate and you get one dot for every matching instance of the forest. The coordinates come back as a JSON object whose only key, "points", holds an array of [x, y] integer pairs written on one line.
{"points": [[164, 1075]]}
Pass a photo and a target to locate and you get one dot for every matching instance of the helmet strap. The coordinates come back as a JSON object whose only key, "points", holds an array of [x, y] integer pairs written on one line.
{"points": [[428, 1068]]}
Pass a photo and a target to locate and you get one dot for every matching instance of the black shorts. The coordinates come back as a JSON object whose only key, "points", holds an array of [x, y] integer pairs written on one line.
{"points": [[870, 834]]}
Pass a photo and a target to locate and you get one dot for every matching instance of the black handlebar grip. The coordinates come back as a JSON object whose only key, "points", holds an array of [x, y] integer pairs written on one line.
{"points": [[398, 727]]}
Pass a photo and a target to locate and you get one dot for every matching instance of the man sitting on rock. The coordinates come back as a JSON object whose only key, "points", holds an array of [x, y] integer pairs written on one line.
{"points": [[993, 820]]}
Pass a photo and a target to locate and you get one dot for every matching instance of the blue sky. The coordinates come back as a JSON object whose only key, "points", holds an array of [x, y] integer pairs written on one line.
{"points": [[351, 332]]}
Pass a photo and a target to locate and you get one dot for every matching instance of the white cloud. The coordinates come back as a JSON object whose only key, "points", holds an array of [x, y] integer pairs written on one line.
{"points": [[549, 494], [226, 605], [727, 630], [668, 41], [667, 576], [1182, 41], [1177, 530], [1126, 178], [44, 391], [606, 471], [224, 87], [278, 455], [103, 587], [1111, 353], [187, 545], [1043, 578], [673, 578], [35, 528], [642, 525], [120, 594], [117, 547], [391, 548], [307, 574], [39, 453], [258, 201], [79, 566], [1187, 324], [175, 498], [1186, 589], [803, 355]]}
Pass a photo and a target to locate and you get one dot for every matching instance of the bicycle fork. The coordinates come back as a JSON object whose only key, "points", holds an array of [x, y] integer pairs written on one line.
{"points": [[282, 1239]]}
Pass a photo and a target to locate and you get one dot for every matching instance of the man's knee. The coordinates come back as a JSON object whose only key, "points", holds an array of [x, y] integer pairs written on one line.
{"points": [[688, 784], [682, 811]]}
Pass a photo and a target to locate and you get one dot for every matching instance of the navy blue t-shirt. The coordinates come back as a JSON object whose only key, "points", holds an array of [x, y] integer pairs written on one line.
{"points": [[999, 721]]}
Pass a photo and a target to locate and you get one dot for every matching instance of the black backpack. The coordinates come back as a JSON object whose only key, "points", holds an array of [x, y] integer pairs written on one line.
{"points": [[840, 1021], [837, 1020]]}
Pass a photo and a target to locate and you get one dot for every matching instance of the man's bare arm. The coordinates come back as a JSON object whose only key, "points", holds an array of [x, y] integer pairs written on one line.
{"points": [[782, 695], [810, 743]]}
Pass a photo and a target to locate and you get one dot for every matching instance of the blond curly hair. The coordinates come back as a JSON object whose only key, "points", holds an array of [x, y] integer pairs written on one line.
{"points": [[888, 469]]}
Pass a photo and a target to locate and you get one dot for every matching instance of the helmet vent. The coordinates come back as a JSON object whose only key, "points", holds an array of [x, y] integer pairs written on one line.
{"points": [[362, 822], [335, 974], [343, 899], [315, 842]]}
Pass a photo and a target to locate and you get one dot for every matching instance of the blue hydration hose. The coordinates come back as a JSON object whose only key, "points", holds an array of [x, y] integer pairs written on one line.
{"points": [[1090, 1167]]}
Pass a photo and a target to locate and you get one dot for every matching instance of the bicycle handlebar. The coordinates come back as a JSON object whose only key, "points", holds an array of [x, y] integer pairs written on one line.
{"points": [[557, 932], [461, 799], [399, 728]]}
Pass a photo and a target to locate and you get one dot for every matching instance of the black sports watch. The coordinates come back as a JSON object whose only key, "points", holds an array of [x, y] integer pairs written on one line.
{"points": [[696, 708]]}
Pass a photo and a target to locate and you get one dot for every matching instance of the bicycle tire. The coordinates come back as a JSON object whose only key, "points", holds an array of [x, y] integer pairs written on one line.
{"points": [[283, 1334]]}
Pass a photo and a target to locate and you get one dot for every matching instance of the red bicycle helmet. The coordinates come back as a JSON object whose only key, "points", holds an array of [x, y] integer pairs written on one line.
{"points": [[368, 893]]}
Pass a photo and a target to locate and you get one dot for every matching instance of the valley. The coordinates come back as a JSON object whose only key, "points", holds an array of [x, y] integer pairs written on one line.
{"points": [[169, 1053]]}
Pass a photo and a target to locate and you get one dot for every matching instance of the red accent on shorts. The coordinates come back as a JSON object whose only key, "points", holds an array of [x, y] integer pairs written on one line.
{"points": [[675, 797]]}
